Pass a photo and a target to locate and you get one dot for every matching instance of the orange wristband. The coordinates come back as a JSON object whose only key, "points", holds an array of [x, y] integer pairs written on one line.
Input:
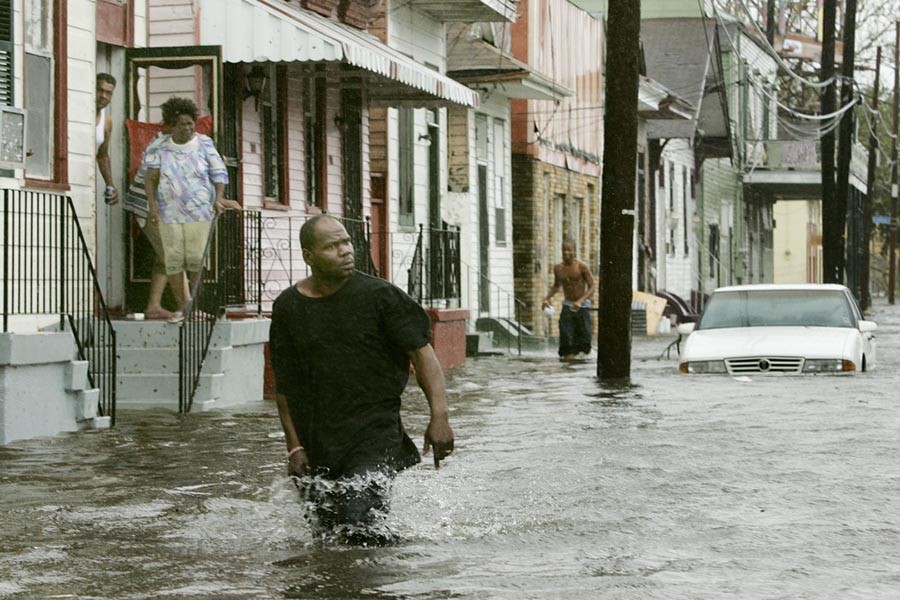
{"points": [[295, 451]]}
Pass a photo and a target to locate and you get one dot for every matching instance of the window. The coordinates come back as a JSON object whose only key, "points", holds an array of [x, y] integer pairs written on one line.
{"points": [[6, 53], [39, 82], [713, 250], [688, 186], [671, 187], [6, 60], [406, 135], [500, 181], [314, 142], [273, 121]]}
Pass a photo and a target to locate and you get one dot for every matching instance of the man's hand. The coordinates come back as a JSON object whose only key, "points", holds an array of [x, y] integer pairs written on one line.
{"points": [[110, 200], [439, 437], [576, 306], [545, 303], [298, 464]]}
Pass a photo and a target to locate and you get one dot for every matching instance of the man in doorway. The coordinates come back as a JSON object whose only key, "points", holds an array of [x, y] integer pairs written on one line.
{"points": [[577, 282], [341, 344], [106, 85]]}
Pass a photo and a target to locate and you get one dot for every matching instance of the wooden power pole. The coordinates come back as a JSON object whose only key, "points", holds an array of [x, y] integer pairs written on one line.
{"points": [[831, 223], [865, 300], [619, 177], [845, 136], [892, 246]]}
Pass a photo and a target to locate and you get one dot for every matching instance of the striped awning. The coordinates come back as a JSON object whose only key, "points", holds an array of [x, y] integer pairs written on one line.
{"points": [[270, 31]]}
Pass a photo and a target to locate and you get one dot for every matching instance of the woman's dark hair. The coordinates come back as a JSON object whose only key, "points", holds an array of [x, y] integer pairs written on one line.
{"points": [[175, 107]]}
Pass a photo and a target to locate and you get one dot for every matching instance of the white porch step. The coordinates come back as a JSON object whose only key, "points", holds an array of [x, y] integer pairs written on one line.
{"points": [[147, 365], [164, 361], [158, 387]]}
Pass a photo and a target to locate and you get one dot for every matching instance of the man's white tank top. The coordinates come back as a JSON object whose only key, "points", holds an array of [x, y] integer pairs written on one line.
{"points": [[101, 128]]}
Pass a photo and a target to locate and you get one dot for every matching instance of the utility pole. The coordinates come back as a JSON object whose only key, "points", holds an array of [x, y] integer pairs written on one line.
{"points": [[771, 26], [619, 180], [831, 228], [865, 300], [892, 247], [845, 137]]}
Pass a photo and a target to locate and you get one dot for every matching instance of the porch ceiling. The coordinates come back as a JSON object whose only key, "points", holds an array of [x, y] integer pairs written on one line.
{"points": [[267, 31], [791, 184], [683, 55], [656, 102]]}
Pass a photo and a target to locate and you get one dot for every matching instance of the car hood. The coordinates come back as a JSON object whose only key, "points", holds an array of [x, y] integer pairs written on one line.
{"points": [[808, 342]]}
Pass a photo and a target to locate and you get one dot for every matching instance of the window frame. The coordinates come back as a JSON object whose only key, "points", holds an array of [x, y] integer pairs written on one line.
{"points": [[274, 162], [59, 114], [406, 167]]}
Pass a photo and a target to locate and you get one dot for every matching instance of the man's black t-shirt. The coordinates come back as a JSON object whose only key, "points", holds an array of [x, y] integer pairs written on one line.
{"points": [[341, 361]]}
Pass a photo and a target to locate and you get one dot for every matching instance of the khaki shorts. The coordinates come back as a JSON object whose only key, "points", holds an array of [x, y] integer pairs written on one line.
{"points": [[183, 245], [151, 232]]}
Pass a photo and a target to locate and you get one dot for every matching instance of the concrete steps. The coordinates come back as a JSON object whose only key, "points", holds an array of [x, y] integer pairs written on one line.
{"points": [[147, 364]]}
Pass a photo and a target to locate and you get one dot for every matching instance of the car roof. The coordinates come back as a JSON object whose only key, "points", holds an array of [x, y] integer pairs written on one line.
{"points": [[811, 287]]}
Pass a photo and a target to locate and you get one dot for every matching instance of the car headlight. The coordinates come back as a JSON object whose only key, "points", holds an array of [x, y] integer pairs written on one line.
{"points": [[827, 365], [703, 366]]}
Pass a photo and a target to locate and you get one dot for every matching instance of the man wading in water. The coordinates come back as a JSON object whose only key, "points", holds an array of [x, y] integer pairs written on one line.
{"points": [[575, 328], [341, 343]]}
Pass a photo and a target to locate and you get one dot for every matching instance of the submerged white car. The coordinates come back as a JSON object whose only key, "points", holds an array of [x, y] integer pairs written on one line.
{"points": [[772, 328]]}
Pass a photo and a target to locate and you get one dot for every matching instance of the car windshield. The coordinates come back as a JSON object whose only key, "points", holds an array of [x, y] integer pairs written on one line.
{"points": [[772, 308]]}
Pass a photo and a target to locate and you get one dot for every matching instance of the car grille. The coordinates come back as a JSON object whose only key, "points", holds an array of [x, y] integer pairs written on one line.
{"points": [[764, 364]]}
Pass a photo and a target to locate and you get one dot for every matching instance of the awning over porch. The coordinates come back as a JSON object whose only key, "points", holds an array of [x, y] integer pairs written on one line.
{"points": [[655, 102], [270, 31], [481, 65]]}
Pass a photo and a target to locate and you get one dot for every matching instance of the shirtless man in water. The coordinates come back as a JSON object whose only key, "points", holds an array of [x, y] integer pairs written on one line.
{"points": [[577, 282]]}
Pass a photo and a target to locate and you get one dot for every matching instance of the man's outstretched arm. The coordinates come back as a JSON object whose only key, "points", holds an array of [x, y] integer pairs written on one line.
{"points": [[430, 376], [298, 461]]}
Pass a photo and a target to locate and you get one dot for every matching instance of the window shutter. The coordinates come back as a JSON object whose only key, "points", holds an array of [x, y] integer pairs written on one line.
{"points": [[6, 53]]}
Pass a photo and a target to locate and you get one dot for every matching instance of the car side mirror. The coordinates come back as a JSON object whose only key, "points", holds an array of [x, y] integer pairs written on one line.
{"points": [[686, 328], [866, 326]]}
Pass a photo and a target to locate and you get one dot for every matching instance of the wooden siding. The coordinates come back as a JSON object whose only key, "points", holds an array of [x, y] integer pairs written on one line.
{"points": [[679, 273], [569, 134]]}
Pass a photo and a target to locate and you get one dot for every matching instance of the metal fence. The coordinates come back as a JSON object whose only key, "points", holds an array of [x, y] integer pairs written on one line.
{"points": [[231, 278], [425, 263], [434, 277], [47, 271]]}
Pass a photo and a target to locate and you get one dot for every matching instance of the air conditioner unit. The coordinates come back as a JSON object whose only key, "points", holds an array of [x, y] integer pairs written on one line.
{"points": [[12, 137]]}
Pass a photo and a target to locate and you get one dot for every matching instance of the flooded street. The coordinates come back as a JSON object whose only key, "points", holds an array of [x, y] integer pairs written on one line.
{"points": [[675, 487]]}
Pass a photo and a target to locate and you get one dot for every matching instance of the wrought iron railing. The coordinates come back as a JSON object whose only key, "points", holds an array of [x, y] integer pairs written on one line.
{"points": [[434, 277], [282, 258], [430, 274], [490, 299], [47, 271], [230, 278]]}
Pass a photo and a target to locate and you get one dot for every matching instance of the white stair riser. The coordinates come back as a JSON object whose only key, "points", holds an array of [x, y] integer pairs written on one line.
{"points": [[164, 361], [163, 387]]}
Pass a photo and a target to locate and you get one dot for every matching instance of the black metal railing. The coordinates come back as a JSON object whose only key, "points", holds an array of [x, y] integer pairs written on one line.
{"points": [[424, 262], [47, 270], [282, 258], [231, 277], [434, 277], [499, 304]]}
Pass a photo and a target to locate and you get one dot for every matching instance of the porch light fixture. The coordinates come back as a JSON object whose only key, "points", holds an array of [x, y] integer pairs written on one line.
{"points": [[425, 138], [256, 84]]}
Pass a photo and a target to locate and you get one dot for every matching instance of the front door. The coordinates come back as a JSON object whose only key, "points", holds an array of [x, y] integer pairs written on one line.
{"points": [[153, 76]]}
